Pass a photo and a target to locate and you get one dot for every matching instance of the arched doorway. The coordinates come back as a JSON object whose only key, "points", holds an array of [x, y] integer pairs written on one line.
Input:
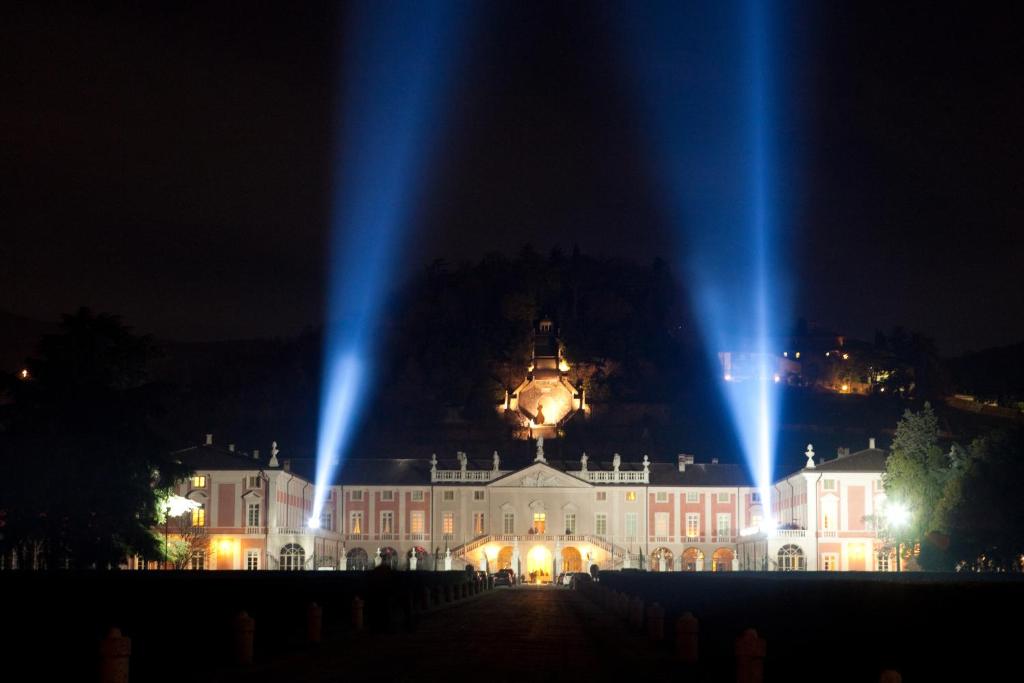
{"points": [[358, 560], [571, 560], [293, 557], [690, 558], [389, 558], [539, 565], [721, 560], [660, 560], [791, 559], [505, 558]]}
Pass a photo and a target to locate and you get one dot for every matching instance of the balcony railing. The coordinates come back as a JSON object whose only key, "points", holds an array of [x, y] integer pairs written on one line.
{"points": [[253, 530], [790, 533], [357, 537], [612, 476], [462, 476]]}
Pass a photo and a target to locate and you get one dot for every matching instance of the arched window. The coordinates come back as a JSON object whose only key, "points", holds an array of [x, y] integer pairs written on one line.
{"points": [[293, 557], [791, 559], [358, 560]]}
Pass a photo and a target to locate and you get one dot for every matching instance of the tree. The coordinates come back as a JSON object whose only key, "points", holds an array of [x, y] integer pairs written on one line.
{"points": [[984, 517], [80, 462], [188, 543], [917, 475]]}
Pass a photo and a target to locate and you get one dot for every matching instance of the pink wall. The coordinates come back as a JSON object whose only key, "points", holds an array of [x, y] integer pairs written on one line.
{"points": [[855, 497], [226, 505]]}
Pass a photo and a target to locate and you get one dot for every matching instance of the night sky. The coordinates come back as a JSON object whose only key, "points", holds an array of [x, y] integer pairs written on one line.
{"points": [[173, 165]]}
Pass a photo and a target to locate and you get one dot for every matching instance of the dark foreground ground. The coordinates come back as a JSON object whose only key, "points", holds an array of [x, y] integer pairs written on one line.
{"points": [[818, 627]]}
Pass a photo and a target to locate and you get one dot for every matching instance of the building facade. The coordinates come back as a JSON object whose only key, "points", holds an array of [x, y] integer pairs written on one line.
{"points": [[538, 517]]}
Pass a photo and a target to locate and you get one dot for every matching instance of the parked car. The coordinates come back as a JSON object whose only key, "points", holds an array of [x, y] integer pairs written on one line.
{"points": [[504, 577]]}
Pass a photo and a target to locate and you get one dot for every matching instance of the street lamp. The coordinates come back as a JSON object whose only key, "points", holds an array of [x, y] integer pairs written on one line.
{"points": [[897, 516]]}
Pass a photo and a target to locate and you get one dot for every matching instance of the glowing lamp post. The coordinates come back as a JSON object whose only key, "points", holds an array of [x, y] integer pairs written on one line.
{"points": [[898, 516]]}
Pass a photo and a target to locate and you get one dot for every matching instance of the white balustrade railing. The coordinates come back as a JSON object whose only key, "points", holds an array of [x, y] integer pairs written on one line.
{"points": [[612, 476], [790, 533], [462, 476]]}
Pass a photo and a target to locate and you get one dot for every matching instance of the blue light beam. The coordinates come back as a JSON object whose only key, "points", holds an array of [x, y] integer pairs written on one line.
{"points": [[703, 75], [396, 63]]}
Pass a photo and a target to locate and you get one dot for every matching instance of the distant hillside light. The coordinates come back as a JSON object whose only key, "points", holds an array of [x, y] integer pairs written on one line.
{"points": [[24, 374]]}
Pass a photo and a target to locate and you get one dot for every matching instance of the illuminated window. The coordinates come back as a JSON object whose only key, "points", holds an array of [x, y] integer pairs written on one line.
{"points": [[631, 526], [791, 559], [478, 495], [355, 522], [416, 522], [252, 560], [199, 516], [601, 524], [199, 559], [883, 561], [387, 522], [692, 524], [199, 481], [570, 523], [508, 523], [252, 514], [661, 497], [478, 523], [417, 496], [449, 495], [356, 495], [829, 562], [387, 495], [797, 354], [692, 497], [723, 497], [630, 495], [602, 495], [829, 485], [539, 522], [448, 524]]}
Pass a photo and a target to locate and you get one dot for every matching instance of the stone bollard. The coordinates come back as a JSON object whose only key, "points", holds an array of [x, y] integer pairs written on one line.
{"points": [[115, 653], [687, 632], [890, 676], [750, 653], [357, 613], [656, 623], [314, 622], [244, 629], [636, 613]]}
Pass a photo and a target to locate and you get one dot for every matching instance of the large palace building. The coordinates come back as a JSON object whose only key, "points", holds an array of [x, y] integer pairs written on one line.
{"points": [[538, 517]]}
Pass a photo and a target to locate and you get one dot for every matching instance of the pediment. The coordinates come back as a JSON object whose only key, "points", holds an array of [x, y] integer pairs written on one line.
{"points": [[539, 475]]}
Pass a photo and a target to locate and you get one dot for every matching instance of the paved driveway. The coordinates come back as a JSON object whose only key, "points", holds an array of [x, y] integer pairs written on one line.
{"points": [[524, 634]]}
